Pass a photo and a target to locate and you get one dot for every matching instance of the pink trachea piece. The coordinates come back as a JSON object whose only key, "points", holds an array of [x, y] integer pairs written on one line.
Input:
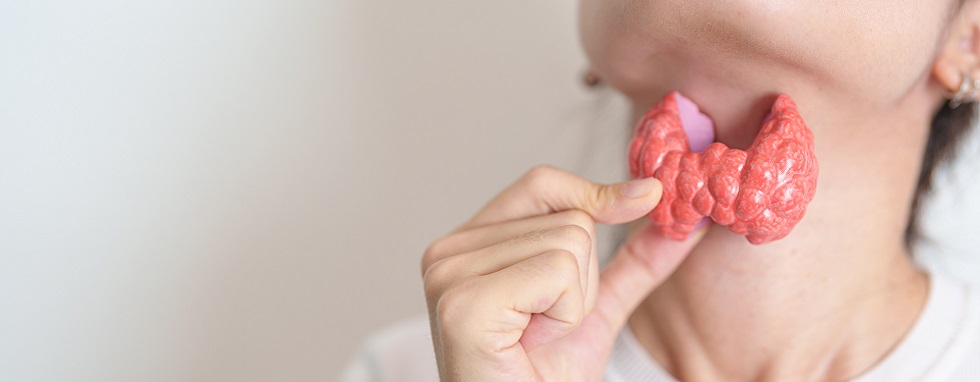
{"points": [[761, 192]]}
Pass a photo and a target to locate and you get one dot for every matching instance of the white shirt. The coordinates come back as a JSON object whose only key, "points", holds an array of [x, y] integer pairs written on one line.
{"points": [[943, 345]]}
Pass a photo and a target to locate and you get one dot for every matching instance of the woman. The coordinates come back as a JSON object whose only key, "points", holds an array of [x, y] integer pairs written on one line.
{"points": [[515, 294]]}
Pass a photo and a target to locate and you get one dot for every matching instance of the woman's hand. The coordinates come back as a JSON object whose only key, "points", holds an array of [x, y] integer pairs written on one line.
{"points": [[515, 294]]}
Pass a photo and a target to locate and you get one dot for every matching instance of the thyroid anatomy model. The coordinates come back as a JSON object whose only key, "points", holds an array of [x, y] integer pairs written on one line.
{"points": [[761, 192]]}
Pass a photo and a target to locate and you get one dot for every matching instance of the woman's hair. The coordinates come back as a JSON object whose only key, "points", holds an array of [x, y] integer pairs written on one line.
{"points": [[948, 126]]}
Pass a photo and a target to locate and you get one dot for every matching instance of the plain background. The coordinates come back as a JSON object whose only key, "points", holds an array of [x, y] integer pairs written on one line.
{"points": [[241, 190]]}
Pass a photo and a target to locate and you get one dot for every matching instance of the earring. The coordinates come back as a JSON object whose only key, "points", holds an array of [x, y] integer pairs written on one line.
{"points": [[968, 90], [591, 79]]}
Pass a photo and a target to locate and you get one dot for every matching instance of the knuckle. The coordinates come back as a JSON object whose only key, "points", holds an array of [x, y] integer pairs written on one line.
{"points": [[437, 277], [434, 253], [580, 218], [561, 264], [432, 290], [445, 306], [541, 170], [600, 196], [593, 197], [450, 306], [577, 237], [540, 175], [441, 269]]}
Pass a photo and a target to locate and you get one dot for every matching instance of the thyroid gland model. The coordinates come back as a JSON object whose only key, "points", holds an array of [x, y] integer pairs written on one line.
{"points": [[761, 192]]}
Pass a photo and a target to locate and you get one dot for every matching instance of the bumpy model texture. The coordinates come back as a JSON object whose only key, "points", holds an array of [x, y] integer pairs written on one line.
{"points": [[761, 192]]}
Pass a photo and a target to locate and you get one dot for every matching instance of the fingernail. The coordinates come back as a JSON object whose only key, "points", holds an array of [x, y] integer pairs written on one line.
{"points": [[638, 188]]}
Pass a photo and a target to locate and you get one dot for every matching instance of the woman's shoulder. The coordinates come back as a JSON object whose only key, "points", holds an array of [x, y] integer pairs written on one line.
{"points": [[399, 352], [962, 307], [944, 343]]}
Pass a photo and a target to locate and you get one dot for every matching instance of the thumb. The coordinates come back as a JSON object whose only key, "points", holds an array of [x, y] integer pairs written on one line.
{"points": [[640, 266], [622, 202], [545, 190]]}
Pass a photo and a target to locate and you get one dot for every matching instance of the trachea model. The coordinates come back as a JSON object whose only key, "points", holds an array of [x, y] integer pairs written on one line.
{"points": [[761, 192]]}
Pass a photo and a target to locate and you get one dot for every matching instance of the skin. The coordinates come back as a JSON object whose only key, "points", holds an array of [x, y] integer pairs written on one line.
{"points": [[515, 293]]}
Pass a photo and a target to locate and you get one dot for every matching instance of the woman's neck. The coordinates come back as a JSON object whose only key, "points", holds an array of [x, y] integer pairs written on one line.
{"points": [[827, 302], [801, 314]]}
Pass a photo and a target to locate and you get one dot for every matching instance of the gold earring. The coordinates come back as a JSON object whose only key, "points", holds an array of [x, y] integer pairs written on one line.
{"points": [[591, 79]]}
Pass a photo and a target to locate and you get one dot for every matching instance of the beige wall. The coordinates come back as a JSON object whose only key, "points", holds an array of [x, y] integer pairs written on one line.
{"points": [[233, 190], [240, 190]]}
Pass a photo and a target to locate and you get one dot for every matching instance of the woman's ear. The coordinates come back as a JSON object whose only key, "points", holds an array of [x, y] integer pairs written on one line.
{"points": [[961, 52]]}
